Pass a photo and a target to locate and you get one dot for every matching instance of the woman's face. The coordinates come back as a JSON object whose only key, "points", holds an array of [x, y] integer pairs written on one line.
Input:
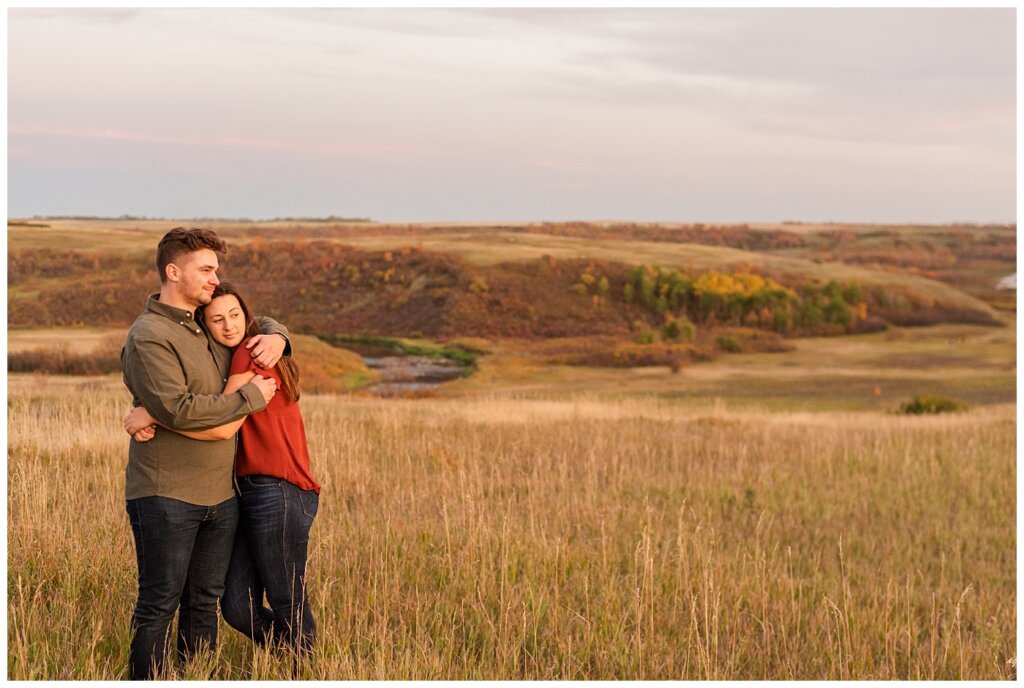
{"points": [[225, 320]]}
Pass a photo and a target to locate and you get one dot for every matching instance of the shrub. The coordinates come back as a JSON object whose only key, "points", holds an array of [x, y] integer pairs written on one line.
{"points": [[479, 285], [727, 343], [671, 330], [678, 329], [610, 354], [872, 323], [930, 403]]}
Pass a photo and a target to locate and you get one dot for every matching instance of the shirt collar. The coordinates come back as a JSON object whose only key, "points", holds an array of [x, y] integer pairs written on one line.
{"points": [[178, 315]]}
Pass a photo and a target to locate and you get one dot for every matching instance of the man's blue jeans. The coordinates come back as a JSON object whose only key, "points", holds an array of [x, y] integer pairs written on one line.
{"points": [[269, 558], [183, 551]]}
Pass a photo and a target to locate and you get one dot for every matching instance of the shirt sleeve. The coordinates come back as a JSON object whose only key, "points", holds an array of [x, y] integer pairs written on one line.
{"points": [[156, 378]]}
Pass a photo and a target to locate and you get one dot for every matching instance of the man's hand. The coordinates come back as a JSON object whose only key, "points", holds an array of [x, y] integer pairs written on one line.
{"points": [[266, 349], [267, 386], [145, 434]]}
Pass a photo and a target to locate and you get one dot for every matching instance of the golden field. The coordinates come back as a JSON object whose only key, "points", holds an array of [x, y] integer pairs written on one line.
{"points": [[570, 537]]}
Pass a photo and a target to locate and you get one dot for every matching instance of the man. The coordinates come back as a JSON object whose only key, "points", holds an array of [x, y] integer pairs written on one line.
{"points": [[178, 490]]}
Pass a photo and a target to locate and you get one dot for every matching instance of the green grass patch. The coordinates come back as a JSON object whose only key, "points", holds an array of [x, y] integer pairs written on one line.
{"points": [[459, 354], [930, 403]]}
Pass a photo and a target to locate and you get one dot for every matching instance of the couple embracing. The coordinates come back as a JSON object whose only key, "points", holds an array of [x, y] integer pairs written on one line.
{"points": [[214, 519]]}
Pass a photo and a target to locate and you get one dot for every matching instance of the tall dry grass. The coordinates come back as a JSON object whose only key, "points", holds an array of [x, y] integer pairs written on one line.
{"points": [[562, 539]]}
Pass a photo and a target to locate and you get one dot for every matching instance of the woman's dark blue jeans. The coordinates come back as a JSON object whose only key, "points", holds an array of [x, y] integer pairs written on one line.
{"points": [[269, 557], [182, 552]]}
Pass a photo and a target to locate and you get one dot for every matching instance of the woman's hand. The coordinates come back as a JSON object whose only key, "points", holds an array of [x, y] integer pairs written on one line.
{"points": [[145, 434], [139, 419]]}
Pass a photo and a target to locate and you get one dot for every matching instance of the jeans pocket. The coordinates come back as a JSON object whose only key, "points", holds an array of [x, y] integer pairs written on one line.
{"points": [[261, 480], [309, 500]]}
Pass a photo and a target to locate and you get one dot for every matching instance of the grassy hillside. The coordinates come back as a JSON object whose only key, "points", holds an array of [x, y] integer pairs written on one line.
{"points": [[969, 257], [331, 287], [966, 256]]}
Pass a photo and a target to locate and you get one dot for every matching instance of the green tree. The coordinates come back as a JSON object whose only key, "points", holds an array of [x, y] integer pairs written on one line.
{"points": [[646, 291], [780, 321], [810, 314], [661, 304], [838, 312], [852, 294], [709, 303], [832, 291]]}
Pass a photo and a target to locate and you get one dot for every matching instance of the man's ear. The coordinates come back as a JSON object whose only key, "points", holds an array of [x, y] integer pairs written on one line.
{"points": [[173, 272]]}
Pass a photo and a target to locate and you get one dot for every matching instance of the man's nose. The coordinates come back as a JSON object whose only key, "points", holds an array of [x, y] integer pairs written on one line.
{"points": [[215, 280]]}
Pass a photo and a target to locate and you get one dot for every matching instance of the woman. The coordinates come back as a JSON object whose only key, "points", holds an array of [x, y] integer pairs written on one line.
{"points": [[278, 497]]}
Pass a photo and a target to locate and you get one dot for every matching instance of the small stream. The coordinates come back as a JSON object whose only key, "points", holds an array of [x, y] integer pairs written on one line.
{"points": [[401, 373]]}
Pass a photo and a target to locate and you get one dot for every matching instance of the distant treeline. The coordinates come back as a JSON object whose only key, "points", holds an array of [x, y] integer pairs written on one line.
{"points": [[968, 225], [737, 236]]}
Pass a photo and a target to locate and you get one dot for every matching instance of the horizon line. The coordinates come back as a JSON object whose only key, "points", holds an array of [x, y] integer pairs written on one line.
{"points": [[490, 222]]}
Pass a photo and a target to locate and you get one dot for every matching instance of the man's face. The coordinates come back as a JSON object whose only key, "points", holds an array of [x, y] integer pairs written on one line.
{"points": [[198, 276]]}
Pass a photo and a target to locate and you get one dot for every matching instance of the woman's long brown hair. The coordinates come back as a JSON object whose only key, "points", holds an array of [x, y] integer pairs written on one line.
{"points": [[286, 366]]}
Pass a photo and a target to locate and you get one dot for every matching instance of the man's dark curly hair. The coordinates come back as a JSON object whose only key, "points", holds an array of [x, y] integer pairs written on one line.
{"points": [[179, 241]]}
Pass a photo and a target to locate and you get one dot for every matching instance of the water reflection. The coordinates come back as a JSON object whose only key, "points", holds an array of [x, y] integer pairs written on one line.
{"points": [[401, 373]]}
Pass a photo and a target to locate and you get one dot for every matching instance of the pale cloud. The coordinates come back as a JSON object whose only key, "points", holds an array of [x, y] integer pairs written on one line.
{"points": [[100, 135], [469, 113]]}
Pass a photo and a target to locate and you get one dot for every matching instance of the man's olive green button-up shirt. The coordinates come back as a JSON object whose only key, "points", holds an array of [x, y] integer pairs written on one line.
{"points": [[177, 371]]}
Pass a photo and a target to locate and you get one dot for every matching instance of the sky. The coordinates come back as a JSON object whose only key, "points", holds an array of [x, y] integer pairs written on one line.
{"points": [[675, 115]]}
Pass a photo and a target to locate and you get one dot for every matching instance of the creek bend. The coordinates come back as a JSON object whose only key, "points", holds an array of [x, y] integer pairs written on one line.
{"points": [[401, 372]]}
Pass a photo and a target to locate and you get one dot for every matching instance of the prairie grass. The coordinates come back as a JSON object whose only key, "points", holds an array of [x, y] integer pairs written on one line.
{"points": [[80, 340], [574, 538]]}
